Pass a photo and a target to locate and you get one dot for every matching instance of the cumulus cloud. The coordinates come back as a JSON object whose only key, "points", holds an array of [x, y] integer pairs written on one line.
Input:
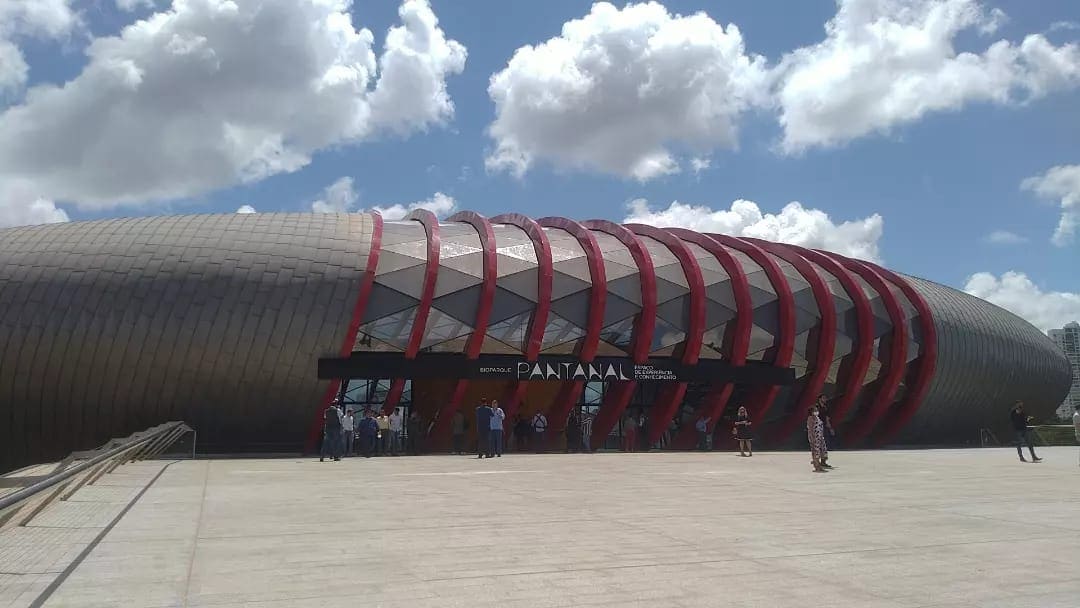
{"points": [[884, 63], [1063, 184], [209, 94], [440, 204], [338, 197], [45, 19], [246, 209], [794, 224], [622, 91], [22, 205], [1004, 237], [1015, 292]]}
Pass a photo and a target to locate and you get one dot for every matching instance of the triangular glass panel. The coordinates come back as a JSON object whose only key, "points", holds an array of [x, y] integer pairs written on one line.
{"points": [[508, 304], [522, 283], [449, 280], [384, 301], [627, 288]]}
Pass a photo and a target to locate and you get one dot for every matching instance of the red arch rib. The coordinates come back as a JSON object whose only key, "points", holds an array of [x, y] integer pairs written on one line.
{"points": [[761, 399], [927, 358], [515, 392], [716, 399], [864, 420], [864, 342], [671, 394], [826, 342], [618, 395], [367, 282], [423, 308], [569, 392], [483, 313]]}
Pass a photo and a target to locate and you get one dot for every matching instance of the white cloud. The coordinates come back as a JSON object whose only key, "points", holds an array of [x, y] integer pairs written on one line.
{"points": [[889, 62], [1015, 292], [794, 224], [22, 205], [1004, 237], [440, 204], [338, 197], [45, 19], [212, 93], [622, 91], [700, 164], [1062, 183], [246, 209], [130, 5]]}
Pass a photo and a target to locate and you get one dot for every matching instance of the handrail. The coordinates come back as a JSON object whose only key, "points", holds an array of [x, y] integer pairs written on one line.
{"points": [[94, 464]]}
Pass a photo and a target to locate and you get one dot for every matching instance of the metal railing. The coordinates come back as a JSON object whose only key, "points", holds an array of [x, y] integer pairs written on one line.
{"points": [[36, 492]]}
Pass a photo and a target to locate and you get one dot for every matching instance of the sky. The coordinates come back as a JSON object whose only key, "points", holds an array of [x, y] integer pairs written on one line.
{"points": [[939, 137]]}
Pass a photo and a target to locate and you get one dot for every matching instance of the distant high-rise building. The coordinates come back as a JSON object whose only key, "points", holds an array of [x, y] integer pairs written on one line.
{"points": [[1068, 340]]}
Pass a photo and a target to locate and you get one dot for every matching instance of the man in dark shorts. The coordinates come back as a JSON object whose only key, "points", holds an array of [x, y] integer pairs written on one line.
{"points": [[483, 427], [1021, 431]]}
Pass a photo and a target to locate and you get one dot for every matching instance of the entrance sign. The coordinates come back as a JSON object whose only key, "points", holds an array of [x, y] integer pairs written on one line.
{"points": [[551, 368]]}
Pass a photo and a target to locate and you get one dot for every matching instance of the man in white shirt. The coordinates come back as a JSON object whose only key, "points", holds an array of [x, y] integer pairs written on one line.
{"points": [[395, 431], [348, 432], [1076, 423], [539, 425]]}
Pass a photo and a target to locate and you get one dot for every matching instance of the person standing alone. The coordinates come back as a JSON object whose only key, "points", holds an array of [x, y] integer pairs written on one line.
{"points": [[495, 441], [1022, 433], [483, 427], [539, 427], [331, 433], [815, 433]]}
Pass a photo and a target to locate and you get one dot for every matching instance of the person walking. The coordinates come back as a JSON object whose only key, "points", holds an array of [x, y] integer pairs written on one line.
{"points": [[458, 425], [483, 427], [348, 433], [815, 433], [332, 422], [412, 434], [629, 429], [1022, 432], [395, 431], [495, 441], [539, 427], [1076, 423], [826, 422], [743, 432], [702, 428], [573, 433]]}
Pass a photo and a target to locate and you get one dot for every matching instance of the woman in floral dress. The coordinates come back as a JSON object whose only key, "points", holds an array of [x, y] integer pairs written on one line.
{"points": [[815, 432]]}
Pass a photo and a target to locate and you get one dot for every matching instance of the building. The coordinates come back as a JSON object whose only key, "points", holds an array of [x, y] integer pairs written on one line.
{"points": [[247, 326], [1068, 340]]}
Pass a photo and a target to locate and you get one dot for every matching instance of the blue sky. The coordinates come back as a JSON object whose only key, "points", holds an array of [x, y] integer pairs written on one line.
{"points": [[941, 181]]}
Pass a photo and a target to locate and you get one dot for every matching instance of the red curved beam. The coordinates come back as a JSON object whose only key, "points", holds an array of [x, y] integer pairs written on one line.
{"points": [[736, 342], [826, 343], [423, 308], [927, 358], [569, 392], [864, 342], [890, 380], [515, 391], [671, 394], [473, 345], [618, 394], [367, 282], [761, 399]]}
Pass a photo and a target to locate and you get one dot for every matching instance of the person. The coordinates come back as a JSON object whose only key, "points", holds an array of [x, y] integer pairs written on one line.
{"points": [[369, 433], [630, 428], [458, 424], [1021, 431], [348, 431], [704, 437], [522, 430], [382, 448], [641, 435], [483, 426], [495, 441], [395, 431], [1076, 423], [539, 427], [815, 433], [412, 433], [573, 433], [830, 433], [743, 432], [331, 433]]}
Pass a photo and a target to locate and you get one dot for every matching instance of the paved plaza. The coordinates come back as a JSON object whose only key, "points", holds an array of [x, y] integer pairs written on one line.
{"points": [[943, 528]]}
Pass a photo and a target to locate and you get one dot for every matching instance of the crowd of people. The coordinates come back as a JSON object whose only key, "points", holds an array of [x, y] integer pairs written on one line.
{"points": [[369, 433]]}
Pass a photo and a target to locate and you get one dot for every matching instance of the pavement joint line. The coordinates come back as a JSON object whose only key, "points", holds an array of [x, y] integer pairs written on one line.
{"points": [[198, 531]]}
